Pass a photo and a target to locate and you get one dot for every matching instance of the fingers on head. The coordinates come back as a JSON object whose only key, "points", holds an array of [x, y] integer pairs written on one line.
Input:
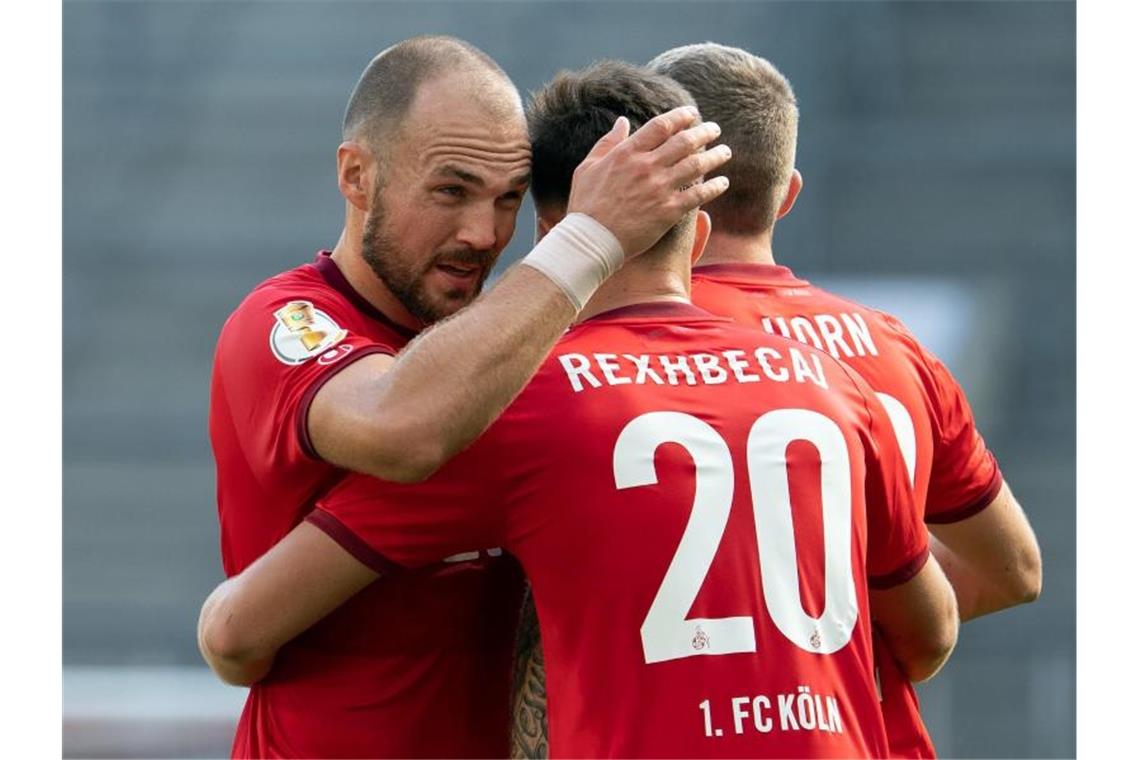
{"points": [[610, 140], [664, 126], [699, 164], [701, 193], [714, 158], [686, 143]]}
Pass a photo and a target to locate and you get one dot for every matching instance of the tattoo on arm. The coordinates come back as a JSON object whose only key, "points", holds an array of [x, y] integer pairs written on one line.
{"points": [[528, 712]]}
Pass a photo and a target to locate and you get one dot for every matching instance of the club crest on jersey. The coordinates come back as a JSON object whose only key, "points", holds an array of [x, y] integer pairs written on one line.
{"points": [[701, 640], [302, 332]]}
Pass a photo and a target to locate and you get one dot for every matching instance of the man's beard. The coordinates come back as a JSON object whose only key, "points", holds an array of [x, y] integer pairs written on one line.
{"points": [[398, 271]]}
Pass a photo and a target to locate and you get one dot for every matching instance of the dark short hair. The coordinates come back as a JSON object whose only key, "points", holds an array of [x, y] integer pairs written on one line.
{"points": [[756, 109], [386, 89], [572, 111]]}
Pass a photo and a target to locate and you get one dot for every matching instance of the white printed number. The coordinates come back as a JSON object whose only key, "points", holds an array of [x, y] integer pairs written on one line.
{"points": [[903, 426], [667, 633]]}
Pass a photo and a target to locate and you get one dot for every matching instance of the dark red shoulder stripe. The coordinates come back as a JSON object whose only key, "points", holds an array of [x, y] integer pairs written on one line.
{"points": [[900, 576], [958, 514], [302, 418], [352, 543]]}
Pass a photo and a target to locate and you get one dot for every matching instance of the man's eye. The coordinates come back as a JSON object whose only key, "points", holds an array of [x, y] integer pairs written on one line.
{"points": [[454, 191]]}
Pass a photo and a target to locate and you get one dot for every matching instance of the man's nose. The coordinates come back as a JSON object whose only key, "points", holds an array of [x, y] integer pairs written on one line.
{"points": [[477, 230]]}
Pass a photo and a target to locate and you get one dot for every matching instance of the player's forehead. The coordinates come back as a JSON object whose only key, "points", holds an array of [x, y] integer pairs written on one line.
{"points": [[470, 128]]}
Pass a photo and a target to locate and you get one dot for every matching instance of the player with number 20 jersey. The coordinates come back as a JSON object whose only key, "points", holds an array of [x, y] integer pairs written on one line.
{"points": [[700, 508]]}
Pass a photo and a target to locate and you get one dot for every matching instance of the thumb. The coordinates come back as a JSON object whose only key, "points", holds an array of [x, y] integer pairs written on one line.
{"points": [[610, 140]]}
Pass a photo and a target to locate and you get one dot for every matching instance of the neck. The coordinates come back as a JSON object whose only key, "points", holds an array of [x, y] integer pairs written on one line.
{"points": [[725, 248], [348, 257], [640, 282]]}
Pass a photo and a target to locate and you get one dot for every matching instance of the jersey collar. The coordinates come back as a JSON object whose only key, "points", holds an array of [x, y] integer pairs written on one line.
{"points": [[331, 273], [653, 310], [774, 273]]}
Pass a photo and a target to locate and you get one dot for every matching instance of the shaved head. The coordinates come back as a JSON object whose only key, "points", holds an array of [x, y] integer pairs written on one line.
{"points": [[389, 85], [434, 164]]}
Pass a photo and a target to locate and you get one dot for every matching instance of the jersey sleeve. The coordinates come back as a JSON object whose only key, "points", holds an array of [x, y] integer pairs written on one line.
{"points": [[274, 354], [964, 475], [387, 525], [897, 542]]}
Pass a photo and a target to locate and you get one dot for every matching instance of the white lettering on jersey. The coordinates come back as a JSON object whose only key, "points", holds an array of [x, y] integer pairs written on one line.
{"points": [[805, 332], [676, 366], [762, 356], [644, 371], [577, 367], [727, 366], [801, 710], [843, 336]]}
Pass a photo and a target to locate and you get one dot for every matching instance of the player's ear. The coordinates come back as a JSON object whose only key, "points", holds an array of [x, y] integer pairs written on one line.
{"points": [[354, 169], [544, 220], [703, 229], [795, 184]]}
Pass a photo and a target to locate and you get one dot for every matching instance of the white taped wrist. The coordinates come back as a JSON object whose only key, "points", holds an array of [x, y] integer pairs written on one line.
{"points": [[578, 255]]}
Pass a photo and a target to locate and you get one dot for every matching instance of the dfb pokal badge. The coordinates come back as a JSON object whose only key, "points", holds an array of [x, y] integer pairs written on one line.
{"points": [[301, 332]]}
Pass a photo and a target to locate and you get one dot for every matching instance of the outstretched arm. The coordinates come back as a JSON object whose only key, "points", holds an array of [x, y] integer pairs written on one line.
{"points": [[253, 614], [991, 558], [529, 729], [401, 418]]}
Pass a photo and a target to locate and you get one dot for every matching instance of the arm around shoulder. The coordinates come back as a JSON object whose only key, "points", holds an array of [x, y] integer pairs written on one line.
{"points": [[223, 648], [401, 418], [249, 617], [354, 423]]}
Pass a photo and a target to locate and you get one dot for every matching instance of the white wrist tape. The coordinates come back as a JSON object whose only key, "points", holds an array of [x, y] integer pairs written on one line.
{"points": [[578, 254]]}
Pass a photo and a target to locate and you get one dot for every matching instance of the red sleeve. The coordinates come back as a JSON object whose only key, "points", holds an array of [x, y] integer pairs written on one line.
{"points": [[384, 524], [964, 476], [897, 542], [274, 354]]}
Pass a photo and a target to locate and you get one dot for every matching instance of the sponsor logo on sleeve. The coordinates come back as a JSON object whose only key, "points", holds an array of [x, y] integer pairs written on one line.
{"points": [[301, 332], [334, 354]]}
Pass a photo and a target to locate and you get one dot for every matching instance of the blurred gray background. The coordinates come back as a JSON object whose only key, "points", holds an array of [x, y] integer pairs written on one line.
{"points": [[938, 147]]}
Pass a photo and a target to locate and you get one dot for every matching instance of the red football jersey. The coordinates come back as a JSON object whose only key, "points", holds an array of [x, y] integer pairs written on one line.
{"points": [[953, 473], [699, 507], [415, 665]]}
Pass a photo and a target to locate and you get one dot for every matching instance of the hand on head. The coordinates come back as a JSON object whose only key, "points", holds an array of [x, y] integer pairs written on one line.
{"points": [[640, 185]]}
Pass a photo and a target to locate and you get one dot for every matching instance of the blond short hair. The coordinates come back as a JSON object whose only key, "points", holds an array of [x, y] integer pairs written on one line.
{"points": [[756, 109]]}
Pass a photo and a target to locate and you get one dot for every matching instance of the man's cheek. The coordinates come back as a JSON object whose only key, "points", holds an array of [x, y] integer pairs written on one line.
{"points": [[507, 230]]}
